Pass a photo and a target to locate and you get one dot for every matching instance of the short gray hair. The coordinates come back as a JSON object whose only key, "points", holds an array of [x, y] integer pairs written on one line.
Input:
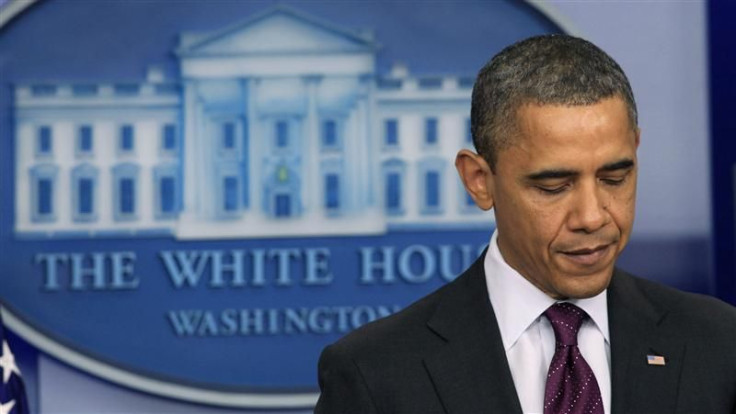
{"points": [[547, 69]]}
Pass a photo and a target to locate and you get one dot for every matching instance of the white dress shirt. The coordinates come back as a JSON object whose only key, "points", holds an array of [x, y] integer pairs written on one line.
{"points": [[528, 337]]}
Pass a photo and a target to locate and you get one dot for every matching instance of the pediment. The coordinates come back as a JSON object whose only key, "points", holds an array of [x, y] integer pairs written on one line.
{"points": [[278, 31]]}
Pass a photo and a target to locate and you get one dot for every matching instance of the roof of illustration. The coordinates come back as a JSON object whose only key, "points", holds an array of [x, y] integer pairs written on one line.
{"points": [[278, 30]]}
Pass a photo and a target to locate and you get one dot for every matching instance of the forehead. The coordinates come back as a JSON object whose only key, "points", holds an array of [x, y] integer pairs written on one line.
{"points": [[550, 134]]}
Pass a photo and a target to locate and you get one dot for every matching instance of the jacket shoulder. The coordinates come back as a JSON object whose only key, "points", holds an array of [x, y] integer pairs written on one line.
{"points": [[696, 313], [378, 367], [403, 330]]}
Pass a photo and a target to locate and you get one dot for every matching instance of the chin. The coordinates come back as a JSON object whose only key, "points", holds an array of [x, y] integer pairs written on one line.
{"points": [[577, 287], [583, 293], [587, 290]]}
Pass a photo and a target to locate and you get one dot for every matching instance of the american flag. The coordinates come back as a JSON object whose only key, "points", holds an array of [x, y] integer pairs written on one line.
{"points": [[655, 360], [12, 391]]}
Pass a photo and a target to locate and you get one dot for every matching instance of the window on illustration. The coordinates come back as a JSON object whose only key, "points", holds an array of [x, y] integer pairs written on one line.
{"points": [[85, 139], [283, 205], [432, 193], [85, 196], [169, 137], [393, 191], [45, 196], [44, 140], [167, 195], [329, 133], [228, 135], [430, 125], [127, 196], [332, 192], [230, 194], [391, 133], [282, 134], [127, 139]]}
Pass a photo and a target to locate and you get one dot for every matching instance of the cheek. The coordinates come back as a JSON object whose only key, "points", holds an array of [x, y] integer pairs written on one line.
{"points": [[534, 220], [622, 210], [542, 225]]}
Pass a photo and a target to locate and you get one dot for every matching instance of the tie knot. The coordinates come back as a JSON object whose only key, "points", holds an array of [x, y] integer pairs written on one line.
{"points": [[566, 320]]}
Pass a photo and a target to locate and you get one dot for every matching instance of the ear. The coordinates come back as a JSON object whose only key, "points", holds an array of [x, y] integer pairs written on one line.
{"points": [[637, 135], [477, 177]]}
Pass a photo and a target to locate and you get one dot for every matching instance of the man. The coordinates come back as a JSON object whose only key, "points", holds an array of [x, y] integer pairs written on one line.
{"points": [[543, 322]]}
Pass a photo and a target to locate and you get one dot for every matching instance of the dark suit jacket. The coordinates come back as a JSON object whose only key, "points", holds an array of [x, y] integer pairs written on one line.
{"points": [[444, 354]]}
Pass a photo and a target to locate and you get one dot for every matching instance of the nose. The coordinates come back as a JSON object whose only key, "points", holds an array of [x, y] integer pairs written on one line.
{"points": [[590, 210]]}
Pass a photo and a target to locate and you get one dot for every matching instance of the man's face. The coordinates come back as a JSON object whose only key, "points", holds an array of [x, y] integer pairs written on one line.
{"points": [[564, 193]]}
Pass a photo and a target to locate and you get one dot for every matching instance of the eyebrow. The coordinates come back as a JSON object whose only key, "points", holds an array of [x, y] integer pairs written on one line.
{"points": [[624, 164], [551, 174]]}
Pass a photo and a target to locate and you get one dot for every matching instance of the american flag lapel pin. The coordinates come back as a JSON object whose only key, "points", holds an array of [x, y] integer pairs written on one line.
{"points": [[655, 360]]}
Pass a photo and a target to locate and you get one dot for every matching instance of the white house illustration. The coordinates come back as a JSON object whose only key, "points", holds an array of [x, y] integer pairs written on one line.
{"points": [[277, 126]]}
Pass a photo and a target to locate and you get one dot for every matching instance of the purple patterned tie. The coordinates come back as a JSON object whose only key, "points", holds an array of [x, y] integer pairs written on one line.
{"points": [[571, 385]]}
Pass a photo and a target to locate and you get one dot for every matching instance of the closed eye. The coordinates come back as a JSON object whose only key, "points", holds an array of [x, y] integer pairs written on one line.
{"points": [[551, 190], [614, 181]]}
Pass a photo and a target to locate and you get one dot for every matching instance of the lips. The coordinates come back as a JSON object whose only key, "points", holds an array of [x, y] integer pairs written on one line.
{"points": [[588, 256]]}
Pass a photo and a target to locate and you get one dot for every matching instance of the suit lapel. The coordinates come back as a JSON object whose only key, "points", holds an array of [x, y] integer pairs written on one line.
{"points": [[634, 321], [470, 371]]}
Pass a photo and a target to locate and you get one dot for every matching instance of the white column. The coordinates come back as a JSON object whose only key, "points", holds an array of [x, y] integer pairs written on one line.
{"points": [[189, 167], [206, 140], [256, 149], [354, 136], [312, 191], [370, 146]]}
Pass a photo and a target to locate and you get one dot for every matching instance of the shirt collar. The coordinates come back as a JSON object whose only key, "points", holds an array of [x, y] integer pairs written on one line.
{"points": [[517, 303]]}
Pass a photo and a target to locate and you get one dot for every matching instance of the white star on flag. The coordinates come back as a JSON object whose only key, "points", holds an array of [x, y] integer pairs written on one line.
{"points": [[5, 408], [12, 390], [7, 363]]}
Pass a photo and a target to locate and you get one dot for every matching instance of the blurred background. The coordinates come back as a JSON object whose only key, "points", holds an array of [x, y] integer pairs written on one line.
{"points": [[197, 196]]}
